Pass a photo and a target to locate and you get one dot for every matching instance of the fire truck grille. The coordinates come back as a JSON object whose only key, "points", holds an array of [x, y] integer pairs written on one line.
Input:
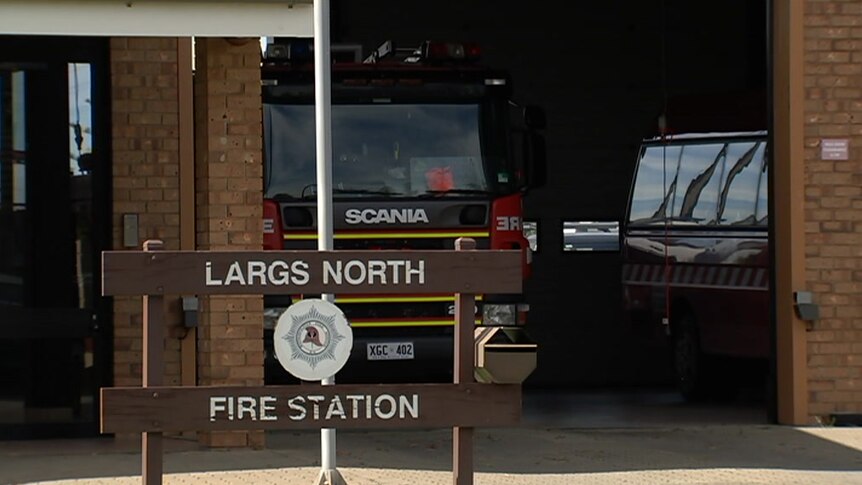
{"points": [[389, 243]]}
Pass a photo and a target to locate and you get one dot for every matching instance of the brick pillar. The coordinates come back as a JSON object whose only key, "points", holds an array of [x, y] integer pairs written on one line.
{"points": [[145, 144], [229, 193], [833, 206]]}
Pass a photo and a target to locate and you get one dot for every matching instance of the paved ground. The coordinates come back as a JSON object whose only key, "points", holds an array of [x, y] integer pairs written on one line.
{"points": [[565, 439]]}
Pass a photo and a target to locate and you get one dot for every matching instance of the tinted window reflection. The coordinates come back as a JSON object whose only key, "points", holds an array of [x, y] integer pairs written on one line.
{"points": [[698, 181], [762, 209], [741, 184], [654, 184], [13, 187], [702, 184]]}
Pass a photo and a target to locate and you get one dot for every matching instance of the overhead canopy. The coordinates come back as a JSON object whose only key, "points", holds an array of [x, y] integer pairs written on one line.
{"points": [[163, 18]]}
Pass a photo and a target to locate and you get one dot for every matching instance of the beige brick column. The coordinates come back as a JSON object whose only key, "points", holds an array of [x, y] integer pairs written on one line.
{"points": [[229, 191], [145, 143], [833, 205]]}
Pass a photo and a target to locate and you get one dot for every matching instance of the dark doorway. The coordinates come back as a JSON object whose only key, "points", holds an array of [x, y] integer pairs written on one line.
{"points": [[54, 220]]}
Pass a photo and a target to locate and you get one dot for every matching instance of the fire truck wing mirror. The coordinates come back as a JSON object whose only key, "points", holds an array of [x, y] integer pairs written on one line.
{"points": [[504, 355], [536, 173], [534, 117]]}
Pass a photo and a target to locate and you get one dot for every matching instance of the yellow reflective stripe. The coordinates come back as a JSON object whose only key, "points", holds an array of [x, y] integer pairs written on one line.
{"points": [[398, 299], [510, 346], [391, 235], [423, 323]]}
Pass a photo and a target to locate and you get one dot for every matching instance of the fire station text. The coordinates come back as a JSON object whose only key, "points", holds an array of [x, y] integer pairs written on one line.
{"points": [[298, 273]]}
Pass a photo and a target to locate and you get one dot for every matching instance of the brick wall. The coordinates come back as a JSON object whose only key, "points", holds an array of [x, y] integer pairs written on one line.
{"points": [[833, 205], [145, 168], [229, 188]]}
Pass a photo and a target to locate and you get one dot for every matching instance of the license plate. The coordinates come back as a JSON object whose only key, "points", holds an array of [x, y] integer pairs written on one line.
{"points": [[390, 351]]}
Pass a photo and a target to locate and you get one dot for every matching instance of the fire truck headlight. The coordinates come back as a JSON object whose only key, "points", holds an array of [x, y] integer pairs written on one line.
{"points": [[496, 314]]}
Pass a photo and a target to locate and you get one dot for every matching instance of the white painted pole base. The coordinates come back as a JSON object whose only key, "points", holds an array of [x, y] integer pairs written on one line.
{"points": [[330, 477]]}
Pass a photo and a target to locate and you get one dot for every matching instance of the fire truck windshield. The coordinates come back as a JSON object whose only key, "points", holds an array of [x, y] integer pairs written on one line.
{"points": [[385, 150]]}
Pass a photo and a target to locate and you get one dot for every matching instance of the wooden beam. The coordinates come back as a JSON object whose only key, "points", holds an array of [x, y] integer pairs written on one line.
{"points": [[309, 406], [462, 436], [153, 371], [199, 18], [185, 99], [289, 272], [788, 235]]}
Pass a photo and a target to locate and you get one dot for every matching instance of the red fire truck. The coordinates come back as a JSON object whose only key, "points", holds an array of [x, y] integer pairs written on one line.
{"points": [[427, 146]]}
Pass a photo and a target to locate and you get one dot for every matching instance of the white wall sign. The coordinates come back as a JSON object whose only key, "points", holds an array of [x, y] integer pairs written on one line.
{"points": [[837, 149]]}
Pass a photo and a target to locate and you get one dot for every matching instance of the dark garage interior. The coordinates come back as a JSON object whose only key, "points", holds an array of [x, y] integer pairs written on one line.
{"points": [[603, 72]]}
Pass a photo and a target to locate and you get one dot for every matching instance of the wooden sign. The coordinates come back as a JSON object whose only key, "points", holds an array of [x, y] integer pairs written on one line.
{"points": [[463, 405], [345, 406], [132, 273]]}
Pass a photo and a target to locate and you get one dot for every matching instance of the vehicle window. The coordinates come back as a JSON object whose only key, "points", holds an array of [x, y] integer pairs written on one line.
{"points": [[384, 150], [591, 236], [654, 184], [762, 209], [697, 184], [741, 184]]}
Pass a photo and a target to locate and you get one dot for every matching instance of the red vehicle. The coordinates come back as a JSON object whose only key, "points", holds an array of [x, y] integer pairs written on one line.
{"points": [[428, 146], [695, 251]]}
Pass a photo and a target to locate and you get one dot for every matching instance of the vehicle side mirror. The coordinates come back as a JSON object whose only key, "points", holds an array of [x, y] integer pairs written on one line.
{"points": [[537, 172], [534, 118]]}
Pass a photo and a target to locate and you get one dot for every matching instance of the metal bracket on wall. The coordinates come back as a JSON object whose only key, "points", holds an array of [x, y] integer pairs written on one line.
{"points": [[130, 231], [190, 311], [806, 309]]}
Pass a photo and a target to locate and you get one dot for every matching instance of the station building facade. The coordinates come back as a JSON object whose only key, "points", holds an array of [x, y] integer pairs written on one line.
{"points": [[106, 142]]}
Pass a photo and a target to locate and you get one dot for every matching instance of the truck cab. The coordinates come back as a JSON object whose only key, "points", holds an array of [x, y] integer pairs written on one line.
{"points": [[427, 147]]}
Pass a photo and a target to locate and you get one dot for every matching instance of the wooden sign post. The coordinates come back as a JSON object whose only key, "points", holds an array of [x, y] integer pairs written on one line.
{"points": [[462, 405], [462, 437], [153, 372]]}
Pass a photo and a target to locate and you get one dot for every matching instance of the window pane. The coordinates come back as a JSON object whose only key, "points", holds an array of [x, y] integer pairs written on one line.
{"points": [[19, 141], [395, 150], [19, 121], [697, 184], [654, 179], [591, 236], [741, 183], [762, 209], [80, 119]]}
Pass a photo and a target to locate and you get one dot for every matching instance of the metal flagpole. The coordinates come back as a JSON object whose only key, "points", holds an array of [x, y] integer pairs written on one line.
{"points": [[329, 475]]}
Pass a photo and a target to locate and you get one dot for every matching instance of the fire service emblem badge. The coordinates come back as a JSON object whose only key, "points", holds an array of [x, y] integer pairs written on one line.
{"points": [[312, 339]]}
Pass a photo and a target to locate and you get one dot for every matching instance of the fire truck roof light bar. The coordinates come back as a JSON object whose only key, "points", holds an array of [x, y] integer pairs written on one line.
{"points": [[450, 51], [428, 51], [301, 49]]}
